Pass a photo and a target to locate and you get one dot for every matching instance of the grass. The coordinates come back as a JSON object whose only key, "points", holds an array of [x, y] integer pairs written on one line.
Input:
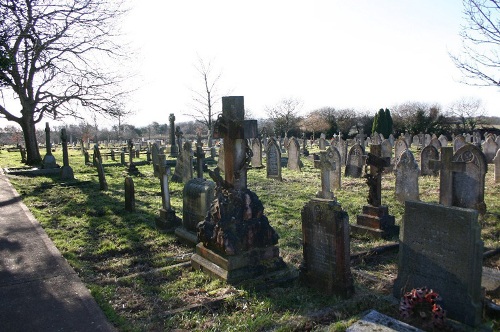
{"points": [[134, 271]]}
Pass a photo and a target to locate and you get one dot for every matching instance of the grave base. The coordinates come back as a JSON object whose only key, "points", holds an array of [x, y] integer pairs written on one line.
{"points": [[375, 222], [186, 237], [264, 263], [167, 221], [133, 170]]}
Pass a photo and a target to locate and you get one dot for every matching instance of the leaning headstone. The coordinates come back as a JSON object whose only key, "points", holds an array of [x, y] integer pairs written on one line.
{"points": [[400, 146], [468, 186], [458, 142], [129, 194], [293, 149], [66, 170], [428, 153], [489, 148], [407, 177], [496, 161], [354, 165], [273, 160], [441, 248], [326, 248], [256, 153]]}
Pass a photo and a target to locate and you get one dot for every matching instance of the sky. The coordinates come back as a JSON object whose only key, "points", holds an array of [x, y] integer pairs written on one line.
{"points": [[360, 54]]}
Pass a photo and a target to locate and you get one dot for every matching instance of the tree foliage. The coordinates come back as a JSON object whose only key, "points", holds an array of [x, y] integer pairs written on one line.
{"points": [[382, 123], [56, 57], [285, 116]]}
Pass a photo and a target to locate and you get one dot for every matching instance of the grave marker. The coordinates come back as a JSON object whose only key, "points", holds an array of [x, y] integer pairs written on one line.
{"points": [[273, 160], [66, 170], [446, 167], [407, 177], [174, 149], [48, 160], [256, 153], [354, 166], [496, 161], [129, 194], [97, 160], [167, 219], [293, 149]]}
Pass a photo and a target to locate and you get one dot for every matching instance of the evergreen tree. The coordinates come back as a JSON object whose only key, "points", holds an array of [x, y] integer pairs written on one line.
{"points": [[382, 123], [388, 118]]}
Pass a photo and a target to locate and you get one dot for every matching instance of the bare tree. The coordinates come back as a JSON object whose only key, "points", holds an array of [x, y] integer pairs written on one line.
{"points": [[56, 58], [479, 59], [205, 98], [285, 115], [468, 111]]}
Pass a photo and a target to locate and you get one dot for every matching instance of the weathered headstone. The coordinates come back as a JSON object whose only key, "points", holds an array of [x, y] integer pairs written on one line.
{"points": [[333, 156], [399, 147], [322, 143], [407, 177], [66, 170], [428, 153], [446, 167], [174, 148], [342, 147], [220, 160], [441, 248], [386, 149], [22, 150], [458, 142], [184, 165], [443, 140], [48, 160], [293, 149], [273, 160], [167, 220], [326, 166], [375, 321], [97, 160], [155, 151], [435, 143], [496, 161], [468, 186], [489, 148], [132, 169], [326, 248], [129, 194], [256, 153], [200, 158], [354, 165]]}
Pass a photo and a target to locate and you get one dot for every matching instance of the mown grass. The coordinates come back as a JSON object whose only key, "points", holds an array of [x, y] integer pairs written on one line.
{"points": [[133, 270]]}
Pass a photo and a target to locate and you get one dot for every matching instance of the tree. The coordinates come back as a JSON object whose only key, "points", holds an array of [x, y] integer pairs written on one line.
{"points": [[468, 111], [382, 123], [285, 115], [479, 59], [55, 59], [320, 120], [206, 98]]}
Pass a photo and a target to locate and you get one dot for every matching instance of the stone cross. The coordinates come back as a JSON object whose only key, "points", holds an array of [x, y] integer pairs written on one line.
{"points": [[361, 138], [326, 167], [235, 131], [446, 168], [164, 174], [64, 142], [200, 157], [374, 177]]}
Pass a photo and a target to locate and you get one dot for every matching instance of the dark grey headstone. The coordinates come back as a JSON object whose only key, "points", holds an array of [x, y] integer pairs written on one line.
{"points": [[428, 153], [273, 160], [441, 248], [354, 165]]}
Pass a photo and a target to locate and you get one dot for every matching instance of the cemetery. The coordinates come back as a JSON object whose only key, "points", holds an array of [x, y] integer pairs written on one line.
{"points": [[378, 233]]}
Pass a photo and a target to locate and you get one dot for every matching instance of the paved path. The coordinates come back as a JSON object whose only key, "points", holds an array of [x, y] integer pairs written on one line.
{"points": [[39, 291]]}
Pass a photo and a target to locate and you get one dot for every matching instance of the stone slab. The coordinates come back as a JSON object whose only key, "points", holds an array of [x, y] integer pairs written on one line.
{"points": [[186, 236], [375, 321]]}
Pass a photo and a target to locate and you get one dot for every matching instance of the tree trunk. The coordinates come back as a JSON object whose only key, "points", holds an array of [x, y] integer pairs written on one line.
{"points": [[29, 131]]}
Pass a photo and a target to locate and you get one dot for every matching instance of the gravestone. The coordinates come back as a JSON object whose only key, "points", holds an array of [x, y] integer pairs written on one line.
{"points": [[415, 141], [407, 137], [273, 160], [220, 160], [155, 152], [441, 248], [326, 248], [293, 149], [428, 153], [286, 140], [66, 170], [386, 149], [132, 169], [200, 158], [174, 148], [48, 160], [427, 140], [375, 321], [237, 242], [322, 143], [489, 148], [443, 140], [458, 142], [22, 150], [184, 165], [354, 165], [342, 147], [391, 139], [167, 220], [446, 167], [435, 143], [97, 160], [375, 220], [399, 147], [129, 194], [333, 157], [376, 139], [326, 166], [256, 153], [496, 161], [468, 186], [407, 177]]}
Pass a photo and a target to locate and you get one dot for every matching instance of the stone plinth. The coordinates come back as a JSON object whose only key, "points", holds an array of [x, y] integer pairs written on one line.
{"points": [[167, 221], [258, 262], [375, 222]]}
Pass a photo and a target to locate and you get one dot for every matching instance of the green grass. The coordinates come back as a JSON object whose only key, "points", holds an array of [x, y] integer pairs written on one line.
{"points": [[129, 265]]}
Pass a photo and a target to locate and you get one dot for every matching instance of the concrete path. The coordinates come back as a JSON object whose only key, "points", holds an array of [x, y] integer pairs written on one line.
{"points": [[39, 291]]}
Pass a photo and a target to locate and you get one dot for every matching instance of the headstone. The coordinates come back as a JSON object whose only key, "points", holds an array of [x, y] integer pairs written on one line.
{"points": [[200, 158], [333, 157], [155, 152], [322, 143], [326, 248], [468, 186], [400, 146], [293, 149], [441, 248], [375, 220], [97, 160], [174, 148], [342, 147], [386, 149], [408, 139], [354, 165], [375, 321], [427, 140], [184, 165], [446, 167], [376, 139], [415, 141], [443, 140], [435, 143], [256, 153], [66, 170], [489, 148], [326, 166], [458, 142], [496, 161], [48, 160], [22, 150], [132, 169], [407, 177], [236, 240], [273, 160], [286, 140], [129, 194], [220, 160], [391, 139], [428, 153], [167, 219]]}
